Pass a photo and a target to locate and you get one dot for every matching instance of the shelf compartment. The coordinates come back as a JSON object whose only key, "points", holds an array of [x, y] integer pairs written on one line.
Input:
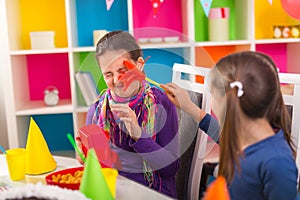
{"points": [[272, 15], [165, 45], [40, 51], [35, 15], [208, 56], [32, 74], [168, 22], [92, 15], [143, 46], [277, 41], [54, 128], [86, 62], [39, 107], [223, 43], [159, 65], [238, 19], [283, 54]]}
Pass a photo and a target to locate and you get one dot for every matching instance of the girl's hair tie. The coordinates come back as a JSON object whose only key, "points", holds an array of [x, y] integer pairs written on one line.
{"points": [[239, 85]]}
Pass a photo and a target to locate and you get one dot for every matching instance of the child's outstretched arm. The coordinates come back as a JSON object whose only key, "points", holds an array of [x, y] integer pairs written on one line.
{"points": [[181, 99]]}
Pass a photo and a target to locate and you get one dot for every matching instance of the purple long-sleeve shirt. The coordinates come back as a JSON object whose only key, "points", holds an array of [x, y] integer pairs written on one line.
{"points": [[162, 154]]}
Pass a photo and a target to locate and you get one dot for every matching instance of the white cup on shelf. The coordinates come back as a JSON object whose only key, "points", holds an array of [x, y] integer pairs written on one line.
{"points": [[42, 39], [97, 35]]}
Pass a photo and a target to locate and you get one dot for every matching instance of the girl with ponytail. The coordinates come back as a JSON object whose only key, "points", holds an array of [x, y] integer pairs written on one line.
{"points": [[257, 155]]}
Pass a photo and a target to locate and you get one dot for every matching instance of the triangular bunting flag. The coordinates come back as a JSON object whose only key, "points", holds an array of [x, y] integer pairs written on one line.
{"points": [[38, 160], [155, 6], [206, 4], [109, 4]]}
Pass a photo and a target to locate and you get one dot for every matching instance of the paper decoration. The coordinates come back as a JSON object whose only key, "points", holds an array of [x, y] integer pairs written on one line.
{"points": [[93, 183], [38, 160], [270, 2], [217, 190], [291, 7], [133, 74], [109, 4], [206, 4], [155, 6]]}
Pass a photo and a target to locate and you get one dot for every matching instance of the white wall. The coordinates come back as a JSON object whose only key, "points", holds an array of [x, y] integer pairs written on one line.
{"points": [[3, 129], [3, 54]]}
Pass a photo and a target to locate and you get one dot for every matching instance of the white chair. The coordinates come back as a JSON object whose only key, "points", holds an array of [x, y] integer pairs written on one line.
{"points": [[193, 133], [202, 146], [292, 98]]}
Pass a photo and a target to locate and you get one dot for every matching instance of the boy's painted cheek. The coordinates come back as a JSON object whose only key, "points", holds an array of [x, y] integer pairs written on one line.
{"points": [[129, 65], [121, 75]]}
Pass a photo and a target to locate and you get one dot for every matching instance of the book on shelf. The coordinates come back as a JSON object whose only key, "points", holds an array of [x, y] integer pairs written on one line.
{"points": [[87, 86]]}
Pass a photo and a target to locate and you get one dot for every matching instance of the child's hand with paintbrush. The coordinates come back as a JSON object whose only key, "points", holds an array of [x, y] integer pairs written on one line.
{"points": [[181, 99]]}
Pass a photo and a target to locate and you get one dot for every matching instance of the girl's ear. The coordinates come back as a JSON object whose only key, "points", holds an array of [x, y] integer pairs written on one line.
{"points": [[140, 63]]}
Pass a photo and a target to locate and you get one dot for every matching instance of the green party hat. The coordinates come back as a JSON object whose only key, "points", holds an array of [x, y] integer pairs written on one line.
{"points": [[93, 183]]}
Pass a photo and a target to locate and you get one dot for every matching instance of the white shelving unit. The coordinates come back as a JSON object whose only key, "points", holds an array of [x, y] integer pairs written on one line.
{"points": [[17, 57]]}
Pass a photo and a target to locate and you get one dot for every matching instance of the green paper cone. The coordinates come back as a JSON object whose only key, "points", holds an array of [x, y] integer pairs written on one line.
{"points": [[93, 183]]}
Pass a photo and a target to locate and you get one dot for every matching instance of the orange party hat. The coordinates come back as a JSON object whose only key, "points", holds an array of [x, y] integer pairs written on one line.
{"points": [[217, 190], [93, 183], [38, 160]]}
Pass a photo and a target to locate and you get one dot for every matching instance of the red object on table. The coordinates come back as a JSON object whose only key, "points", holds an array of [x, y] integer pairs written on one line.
{"points": [[72, 171], [92, 136]]}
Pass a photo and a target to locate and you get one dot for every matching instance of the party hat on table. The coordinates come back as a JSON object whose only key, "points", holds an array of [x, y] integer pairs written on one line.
{"points": [[93, 183], [217, 190], [38, 160]]}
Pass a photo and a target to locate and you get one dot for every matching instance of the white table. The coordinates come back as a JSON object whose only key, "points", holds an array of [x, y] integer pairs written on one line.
{"points": [[126, 189]]}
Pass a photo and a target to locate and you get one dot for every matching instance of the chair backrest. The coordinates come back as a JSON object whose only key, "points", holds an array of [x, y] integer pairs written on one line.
{"points": [[292, 98], [185, 77]]}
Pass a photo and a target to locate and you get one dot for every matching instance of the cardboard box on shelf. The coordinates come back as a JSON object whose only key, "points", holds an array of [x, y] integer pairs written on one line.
{"points": [[42, 40]]}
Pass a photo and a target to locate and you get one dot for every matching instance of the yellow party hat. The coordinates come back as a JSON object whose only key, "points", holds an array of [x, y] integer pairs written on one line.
{"points": [[38, 160]]}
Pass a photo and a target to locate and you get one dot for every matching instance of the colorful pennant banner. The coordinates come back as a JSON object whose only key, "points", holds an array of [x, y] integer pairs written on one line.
{"points": [[206, 4], [155, 6], [109, 4]]}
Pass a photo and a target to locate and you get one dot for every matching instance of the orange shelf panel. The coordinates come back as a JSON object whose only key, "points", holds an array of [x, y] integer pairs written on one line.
{"points": [[208, 56]]}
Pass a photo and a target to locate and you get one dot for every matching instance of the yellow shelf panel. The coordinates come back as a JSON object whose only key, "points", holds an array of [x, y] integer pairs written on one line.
{"points": [[267, 16], [37, 15]]}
